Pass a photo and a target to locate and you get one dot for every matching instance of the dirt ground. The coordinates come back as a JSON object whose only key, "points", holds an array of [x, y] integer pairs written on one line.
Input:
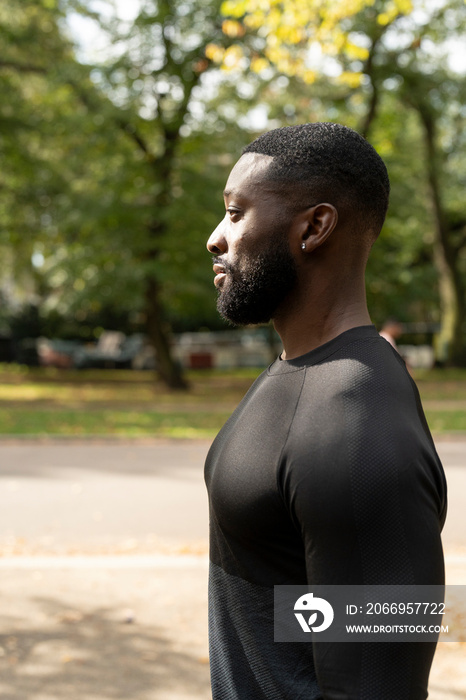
{"points": [[94, 632], [97, 633], [131, 626]]}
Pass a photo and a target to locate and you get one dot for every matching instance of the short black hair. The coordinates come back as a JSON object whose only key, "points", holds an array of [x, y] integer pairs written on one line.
{"points": [[329, 162]]}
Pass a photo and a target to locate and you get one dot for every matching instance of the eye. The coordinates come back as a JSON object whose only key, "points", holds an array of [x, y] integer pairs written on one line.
{"points": [[235, 214]]}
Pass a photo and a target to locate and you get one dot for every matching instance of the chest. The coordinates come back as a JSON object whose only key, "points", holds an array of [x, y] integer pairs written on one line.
{"points": [[243, 462]]}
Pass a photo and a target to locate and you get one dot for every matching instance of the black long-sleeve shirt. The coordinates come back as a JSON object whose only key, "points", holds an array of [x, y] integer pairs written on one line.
{"points": [[326, 473]]}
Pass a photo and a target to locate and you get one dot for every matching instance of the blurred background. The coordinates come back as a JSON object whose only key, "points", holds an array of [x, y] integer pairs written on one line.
{"points": [[119, 123]]}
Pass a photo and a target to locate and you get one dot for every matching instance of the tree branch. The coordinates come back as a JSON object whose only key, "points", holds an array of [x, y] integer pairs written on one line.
{"points": [[130, 129], [374, 101]]}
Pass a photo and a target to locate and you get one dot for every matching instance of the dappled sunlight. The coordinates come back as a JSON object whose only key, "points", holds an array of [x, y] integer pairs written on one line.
{"points": [[75, 643], [37, 401]]}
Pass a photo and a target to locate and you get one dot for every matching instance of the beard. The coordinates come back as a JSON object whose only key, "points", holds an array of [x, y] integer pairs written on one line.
{"points": [[253, 290]]}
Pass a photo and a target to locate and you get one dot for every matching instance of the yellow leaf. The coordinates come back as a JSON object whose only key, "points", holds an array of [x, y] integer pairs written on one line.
{"points": [[404, 7], [383, 19], [259, 64], [232, 58], [290, 27], [232, 28], [352, 80], [214, 53], [234, 8], [309, 76], [356, 52]]}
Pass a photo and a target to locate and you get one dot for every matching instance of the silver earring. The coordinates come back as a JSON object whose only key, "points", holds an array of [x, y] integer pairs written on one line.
{"points": [[303, 246]]}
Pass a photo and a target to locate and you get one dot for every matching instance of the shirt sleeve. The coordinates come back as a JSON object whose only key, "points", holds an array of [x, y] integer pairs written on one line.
{"points": [[365, 489]]}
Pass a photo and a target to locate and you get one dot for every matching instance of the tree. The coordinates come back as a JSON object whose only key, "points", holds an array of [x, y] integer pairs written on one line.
{"points": [[152, 85], [437, 99], [418, 76], [120, 153], [364, 62]]}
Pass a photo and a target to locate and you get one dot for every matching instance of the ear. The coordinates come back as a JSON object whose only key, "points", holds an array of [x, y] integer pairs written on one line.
{"points": [[317, 224]]}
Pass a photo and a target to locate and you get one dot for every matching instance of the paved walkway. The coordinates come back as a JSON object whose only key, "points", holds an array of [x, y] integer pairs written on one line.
{"points": [[97, 633], [131, 624], [96, 497], [121, 497]]}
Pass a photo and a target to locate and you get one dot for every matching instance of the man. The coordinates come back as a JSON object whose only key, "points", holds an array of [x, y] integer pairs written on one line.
{"points": [[326, 472], [391, 331]]}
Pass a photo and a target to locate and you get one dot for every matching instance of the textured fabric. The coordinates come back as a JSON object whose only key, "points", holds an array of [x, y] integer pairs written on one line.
{"points": [[326, 473], [255, 667]]}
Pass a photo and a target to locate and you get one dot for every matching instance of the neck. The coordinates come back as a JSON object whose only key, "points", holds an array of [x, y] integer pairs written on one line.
{"points": [[309, 319]]}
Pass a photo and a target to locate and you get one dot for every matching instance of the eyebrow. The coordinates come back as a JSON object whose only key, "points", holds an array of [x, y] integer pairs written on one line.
{"points": [[226, 193]]}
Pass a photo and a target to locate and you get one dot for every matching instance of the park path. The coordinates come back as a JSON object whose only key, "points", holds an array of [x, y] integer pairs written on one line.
{"points": [[102, 497], [103, 576], [119, 496]]}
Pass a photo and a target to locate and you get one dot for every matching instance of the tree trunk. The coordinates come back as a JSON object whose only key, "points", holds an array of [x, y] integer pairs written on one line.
{"points": [[169, 371], [451, 341], [372, 107]]}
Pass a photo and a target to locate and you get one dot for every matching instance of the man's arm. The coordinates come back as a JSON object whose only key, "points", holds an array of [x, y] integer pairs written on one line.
{"points": [[374, 529], [367, 493]]}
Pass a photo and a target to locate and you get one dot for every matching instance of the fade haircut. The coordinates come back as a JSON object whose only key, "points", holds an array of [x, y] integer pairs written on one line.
{"points": [[328, 162]]}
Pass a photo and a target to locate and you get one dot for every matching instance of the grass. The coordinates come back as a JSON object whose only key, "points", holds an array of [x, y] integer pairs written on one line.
{"points": [[446, 421], [442, 384], [112, 422], [36, 401]]}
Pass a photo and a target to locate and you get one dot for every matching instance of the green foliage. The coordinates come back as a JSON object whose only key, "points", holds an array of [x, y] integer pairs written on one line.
{"points": [[383, 68], [111, 178], [127, 403], [401, 277], [112, 172]]}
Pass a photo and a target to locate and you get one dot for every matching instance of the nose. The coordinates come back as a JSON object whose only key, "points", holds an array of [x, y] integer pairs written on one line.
{"points": [[217, 244]]}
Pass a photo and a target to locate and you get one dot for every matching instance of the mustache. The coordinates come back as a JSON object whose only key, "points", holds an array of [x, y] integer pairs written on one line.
{"points": [[216, 260]]}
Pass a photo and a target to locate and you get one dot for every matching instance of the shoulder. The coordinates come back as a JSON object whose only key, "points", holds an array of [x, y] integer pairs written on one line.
{"points": [[355, 403]]}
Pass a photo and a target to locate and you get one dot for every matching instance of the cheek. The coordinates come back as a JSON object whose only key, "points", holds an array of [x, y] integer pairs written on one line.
{"points": [[248, 242]]}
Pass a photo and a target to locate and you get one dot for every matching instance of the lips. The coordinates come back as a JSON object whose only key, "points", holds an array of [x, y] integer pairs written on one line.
{"points": [[220, 274]]}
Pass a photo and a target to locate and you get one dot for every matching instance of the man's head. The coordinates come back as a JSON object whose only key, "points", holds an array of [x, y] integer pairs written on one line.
{"points": [[289, 191], [326, 162], [393, 327]]}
